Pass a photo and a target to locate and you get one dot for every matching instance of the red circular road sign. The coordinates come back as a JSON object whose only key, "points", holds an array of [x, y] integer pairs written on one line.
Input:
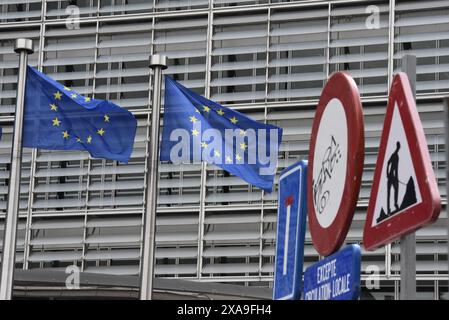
{"points": [[337, 148]]}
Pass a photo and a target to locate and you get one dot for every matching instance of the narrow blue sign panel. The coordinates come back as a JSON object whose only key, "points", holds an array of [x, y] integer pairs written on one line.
{"points": [[336, 277], [291, 229]]}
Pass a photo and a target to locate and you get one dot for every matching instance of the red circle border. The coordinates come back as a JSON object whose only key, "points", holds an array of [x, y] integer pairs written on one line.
{"points": [[341, 86]]}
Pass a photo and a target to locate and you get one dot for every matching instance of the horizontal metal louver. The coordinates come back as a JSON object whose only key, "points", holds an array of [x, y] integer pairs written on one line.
{"points": [[359, 45], [232, 3], [297, 53], [9, 65], [423, 30], [184, 42], [239, 57], [167, 5], [63, 9], [20, 11]]}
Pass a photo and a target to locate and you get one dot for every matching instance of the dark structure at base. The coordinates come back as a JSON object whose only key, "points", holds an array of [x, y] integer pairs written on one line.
{"points": [[50, 284]]}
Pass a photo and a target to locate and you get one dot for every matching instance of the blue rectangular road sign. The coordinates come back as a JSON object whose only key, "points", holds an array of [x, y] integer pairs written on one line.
{"points": [[291, 229], [336, 277]]}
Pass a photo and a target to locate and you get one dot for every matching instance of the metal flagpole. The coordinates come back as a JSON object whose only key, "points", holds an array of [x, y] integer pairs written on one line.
{"points": [[157, 63], [446, 124], [408, 242], [23, 47]]}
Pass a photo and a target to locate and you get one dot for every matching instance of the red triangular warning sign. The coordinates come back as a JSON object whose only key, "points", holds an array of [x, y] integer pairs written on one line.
{"points": [[404, 194]]}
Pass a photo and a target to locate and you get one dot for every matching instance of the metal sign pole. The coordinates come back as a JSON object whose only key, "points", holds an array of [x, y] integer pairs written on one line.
{"points": [[157, 63], [408, 242], [23, 47]]}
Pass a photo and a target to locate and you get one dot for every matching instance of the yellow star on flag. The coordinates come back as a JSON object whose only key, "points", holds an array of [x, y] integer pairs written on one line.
{"points": [[228, 159], [78, 139], [217, 153], [206, 109], [89, 139], [220, 112], [67, 89], [86, 99], [204, 145], [242, 132], [101, 132], [195, 132], [53, 107], [234, 120], [106, 118], [74, 95], [56, 122], [65, 134], [58, 95], [193, 119], [238, 157], [243, 146]]}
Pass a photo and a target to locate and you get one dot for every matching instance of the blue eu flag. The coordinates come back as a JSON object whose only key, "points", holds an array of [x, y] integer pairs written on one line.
{"points": [[58, 118], [198, 129]]}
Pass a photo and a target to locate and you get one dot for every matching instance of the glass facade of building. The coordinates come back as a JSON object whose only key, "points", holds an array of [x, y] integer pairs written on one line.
{"points": [[267, 58]]}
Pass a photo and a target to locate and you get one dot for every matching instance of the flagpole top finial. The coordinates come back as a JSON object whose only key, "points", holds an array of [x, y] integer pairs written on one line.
{"points": [[157, 60], [24, 45]]}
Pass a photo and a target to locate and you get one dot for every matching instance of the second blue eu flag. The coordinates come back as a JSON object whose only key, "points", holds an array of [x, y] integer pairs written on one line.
{"points": [[58, 118], [198, 129]]}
